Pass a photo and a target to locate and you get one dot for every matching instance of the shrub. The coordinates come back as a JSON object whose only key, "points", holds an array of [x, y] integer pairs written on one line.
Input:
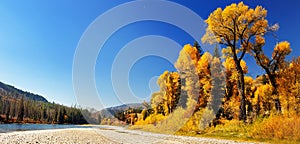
{"points": [[277, 127]]}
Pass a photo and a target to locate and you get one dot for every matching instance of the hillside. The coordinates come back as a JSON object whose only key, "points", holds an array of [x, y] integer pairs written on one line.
{"points": [[111, 111], [15, 93], [18, 106]]}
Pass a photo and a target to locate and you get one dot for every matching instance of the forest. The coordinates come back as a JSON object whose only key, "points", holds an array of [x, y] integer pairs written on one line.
{"points": [[30, 111], [212, 93], [17, 106]]}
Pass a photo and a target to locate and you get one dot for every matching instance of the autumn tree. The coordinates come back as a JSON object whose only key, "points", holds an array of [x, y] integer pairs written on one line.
{"points": [[157, 103], [186, 65], [288, 82], [236, 28], [231, 98], [205, 79], [273, 64], [162, 82], [173, 89], [166, 100]]}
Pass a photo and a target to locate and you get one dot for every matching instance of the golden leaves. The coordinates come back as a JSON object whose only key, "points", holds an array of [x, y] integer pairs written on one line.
{"points": [[204, 62], [291, 66], [265, 92], [248, 80], [282, 48], [260, 40], [165, 100], [188, 58], [230, 65], [244, 66], [237, 23]]}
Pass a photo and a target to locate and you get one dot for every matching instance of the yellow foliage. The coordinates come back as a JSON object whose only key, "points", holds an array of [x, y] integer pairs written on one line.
{"points": [[187, 65], [232, 106], [231, 66], [291, 66], [156, 102], [274, 129], [263, 98], [241, 29], [264, 91], [260, 40], [204, 63], [152, 119], [277, 127], [188, 58], [161, 80], [226, 52], [230, 127], [249, 86], [193, 124], [247, 21], [248, 80], [282, 48], [166, 99], [289, 87], [192, 51], [244, 66]]}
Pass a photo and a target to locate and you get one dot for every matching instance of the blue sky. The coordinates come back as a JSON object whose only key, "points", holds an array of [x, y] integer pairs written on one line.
{"points": [[38, 40]]}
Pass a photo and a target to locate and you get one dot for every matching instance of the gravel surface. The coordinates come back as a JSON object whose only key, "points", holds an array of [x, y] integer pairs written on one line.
{"points": [[101, 135]]}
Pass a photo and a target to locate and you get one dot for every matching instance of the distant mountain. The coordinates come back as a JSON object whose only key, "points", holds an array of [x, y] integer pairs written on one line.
{"points": [[109, 112], [12, 92]]}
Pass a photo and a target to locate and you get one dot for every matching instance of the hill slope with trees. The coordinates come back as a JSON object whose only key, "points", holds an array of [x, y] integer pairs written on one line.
{"points": [[18, 106], [8, 90]]}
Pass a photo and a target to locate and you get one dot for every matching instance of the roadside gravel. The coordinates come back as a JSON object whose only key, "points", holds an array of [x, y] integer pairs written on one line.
{"points": [[100, 135]]}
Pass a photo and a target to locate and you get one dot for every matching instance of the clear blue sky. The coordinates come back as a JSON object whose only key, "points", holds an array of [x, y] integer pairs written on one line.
{"points": [[38, 40]]}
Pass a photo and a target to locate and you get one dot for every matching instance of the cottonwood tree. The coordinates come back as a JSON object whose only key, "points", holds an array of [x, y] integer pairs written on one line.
{"points": [[186, 65], [166, 99], [236, 27], [288, 82], [273, 64], [205, 80]]}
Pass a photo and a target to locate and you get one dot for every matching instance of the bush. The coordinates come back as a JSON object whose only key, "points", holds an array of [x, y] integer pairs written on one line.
{"points": [[229, 129], [277, 127], [152, 119]]}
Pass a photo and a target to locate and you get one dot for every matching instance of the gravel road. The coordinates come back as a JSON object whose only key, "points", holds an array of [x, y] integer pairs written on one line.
{"points": [[103, 135]]}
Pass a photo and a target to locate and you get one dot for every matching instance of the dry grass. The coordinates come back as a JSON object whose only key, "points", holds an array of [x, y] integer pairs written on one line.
{"points": [[277, 127], [274, 129]]}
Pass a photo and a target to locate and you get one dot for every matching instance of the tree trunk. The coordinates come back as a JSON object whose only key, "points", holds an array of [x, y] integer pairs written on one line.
{"points": [[241, 89], [272, 79]]}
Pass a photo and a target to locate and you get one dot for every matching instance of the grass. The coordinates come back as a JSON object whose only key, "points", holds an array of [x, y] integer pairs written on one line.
{"points": [[278, 127], [274, 129]]}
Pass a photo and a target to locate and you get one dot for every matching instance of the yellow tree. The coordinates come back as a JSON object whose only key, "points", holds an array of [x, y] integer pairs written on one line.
{"points": [[235, 27], [186, 65], [273, 64], [289, 87], [231, 99], [157, 99], [203, 70], [166, 100], [262, 99], [172, 94], [157, 102]]}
